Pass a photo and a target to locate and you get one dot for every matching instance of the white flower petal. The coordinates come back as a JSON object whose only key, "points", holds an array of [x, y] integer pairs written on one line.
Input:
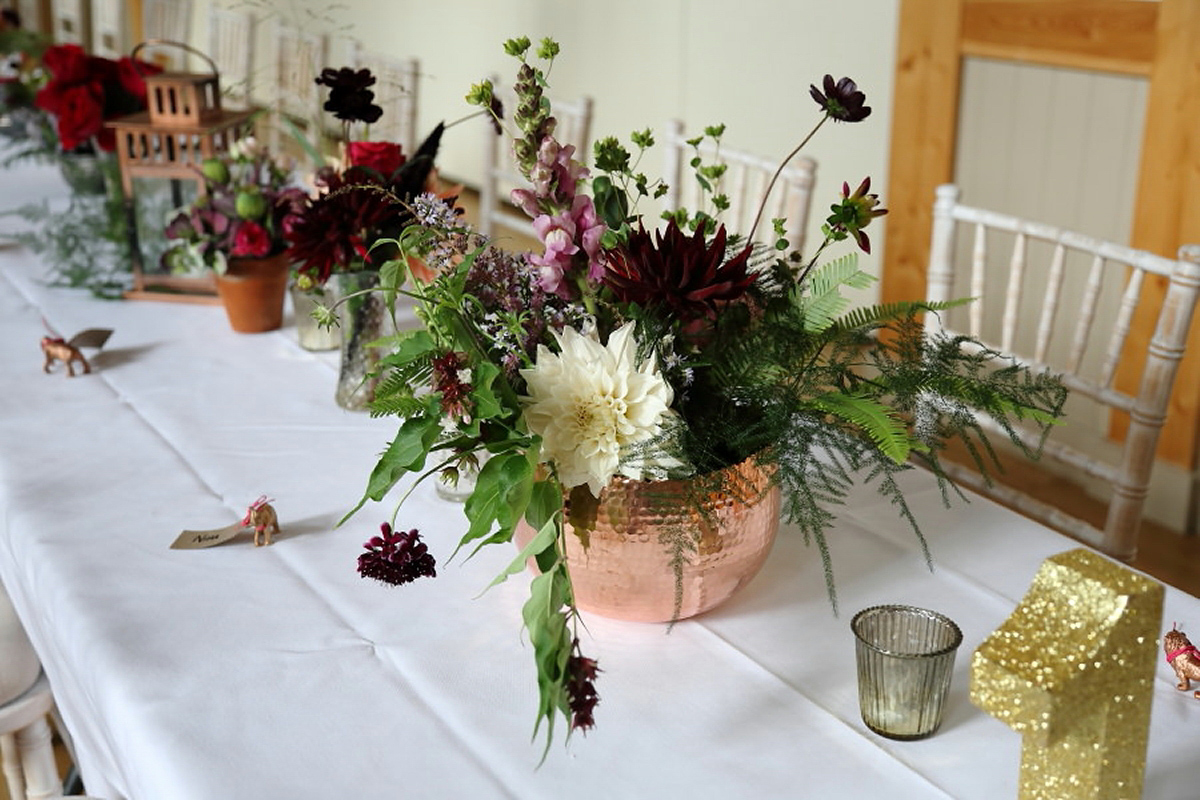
{"points": [[589, 402]]}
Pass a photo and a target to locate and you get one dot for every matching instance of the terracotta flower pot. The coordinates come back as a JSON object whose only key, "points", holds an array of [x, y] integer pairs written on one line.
{"points": [[252, 290], [626, 572]]}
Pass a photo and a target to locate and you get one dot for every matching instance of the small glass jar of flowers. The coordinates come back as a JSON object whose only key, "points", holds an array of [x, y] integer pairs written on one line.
{"points": [[81, 92], [21, 75], [653, 379], [238, 229], [360, 199]]}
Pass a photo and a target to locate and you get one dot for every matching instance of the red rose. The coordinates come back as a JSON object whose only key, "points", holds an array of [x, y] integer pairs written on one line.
{"points": [[79, 113], [251, 239], [67, 63], [131, 76], [103, 69], [383, 157]]}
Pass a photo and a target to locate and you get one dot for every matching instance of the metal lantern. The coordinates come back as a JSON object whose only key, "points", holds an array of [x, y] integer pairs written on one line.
{"points": [[159, 153]]}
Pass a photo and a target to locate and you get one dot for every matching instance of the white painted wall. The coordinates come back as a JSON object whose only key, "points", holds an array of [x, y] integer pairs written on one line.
{"points": [[644, 62]]}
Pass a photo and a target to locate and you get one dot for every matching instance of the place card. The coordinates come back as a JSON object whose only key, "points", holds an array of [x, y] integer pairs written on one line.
{"points": [[195, 540]]}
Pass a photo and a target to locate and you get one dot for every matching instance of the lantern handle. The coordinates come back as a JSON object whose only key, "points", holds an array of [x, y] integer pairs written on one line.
{"points": [[152, 42]]}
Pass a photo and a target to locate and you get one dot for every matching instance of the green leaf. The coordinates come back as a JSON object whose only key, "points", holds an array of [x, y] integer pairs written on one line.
{"points": [[409, 346], [542, 540], [502, 492], [583, 508], [876, 420], [551, 640], [545, 506], [482, 395], [406, 453], [609, 201]]}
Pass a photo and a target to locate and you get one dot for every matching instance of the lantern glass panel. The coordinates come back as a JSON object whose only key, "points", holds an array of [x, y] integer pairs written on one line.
{"points": [[156, 201]]}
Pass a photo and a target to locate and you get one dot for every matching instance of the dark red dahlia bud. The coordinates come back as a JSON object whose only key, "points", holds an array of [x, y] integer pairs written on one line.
{"points": [[396, 557]]}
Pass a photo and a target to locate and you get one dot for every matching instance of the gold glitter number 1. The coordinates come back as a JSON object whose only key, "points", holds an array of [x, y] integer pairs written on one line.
{"points": [[1072, 671]]}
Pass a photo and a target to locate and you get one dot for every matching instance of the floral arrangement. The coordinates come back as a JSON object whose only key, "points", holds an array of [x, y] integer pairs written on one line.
{"points": [[363, 200], [246, 211], [83, 91], [644, 348], [82, 245], [21, 74]]}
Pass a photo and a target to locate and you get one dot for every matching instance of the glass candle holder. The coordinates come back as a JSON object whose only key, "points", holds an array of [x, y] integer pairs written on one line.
{"points": [[905, 656], [309, 332]]}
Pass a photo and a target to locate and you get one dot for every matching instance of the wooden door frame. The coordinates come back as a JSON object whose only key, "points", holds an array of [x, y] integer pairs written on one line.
{"points": [[1156, 40]]}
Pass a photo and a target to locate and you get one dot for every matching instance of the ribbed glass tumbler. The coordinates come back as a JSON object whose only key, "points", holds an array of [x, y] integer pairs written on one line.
{"points": [[905, 657]]}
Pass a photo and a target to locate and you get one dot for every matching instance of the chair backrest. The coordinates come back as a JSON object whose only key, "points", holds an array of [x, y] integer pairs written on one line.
{"points": [[500, 175], [108, 40], [745, 180], [396, 92], [231, 45], [299, 59], [170, 20], [1065, 296], [31, 14], [68, 19]]}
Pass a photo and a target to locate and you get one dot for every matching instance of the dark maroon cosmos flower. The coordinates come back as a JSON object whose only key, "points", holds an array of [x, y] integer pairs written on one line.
{"points": [[396, 557], [678, 273], [581, 689], [841, 100], [855, 212], [350, 97]]}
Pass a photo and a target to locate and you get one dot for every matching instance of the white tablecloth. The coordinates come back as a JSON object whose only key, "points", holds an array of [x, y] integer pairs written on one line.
{"points": [[276, 672]]}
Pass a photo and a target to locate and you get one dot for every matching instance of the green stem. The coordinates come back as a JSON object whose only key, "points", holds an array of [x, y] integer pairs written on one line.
{"points": [[812, 262], [763, 205]]}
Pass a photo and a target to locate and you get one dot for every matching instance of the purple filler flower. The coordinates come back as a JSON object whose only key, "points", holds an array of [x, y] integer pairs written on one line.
{"points": [[396, 557]]}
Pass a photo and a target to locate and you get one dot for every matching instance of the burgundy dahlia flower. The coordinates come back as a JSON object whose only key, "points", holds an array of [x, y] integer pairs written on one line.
{"points": [[682, 274]]}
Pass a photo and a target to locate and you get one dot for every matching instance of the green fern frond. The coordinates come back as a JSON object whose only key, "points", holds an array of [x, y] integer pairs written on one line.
{"points": [[873, 418], [824, 300], [396, 405], [883, 313]]}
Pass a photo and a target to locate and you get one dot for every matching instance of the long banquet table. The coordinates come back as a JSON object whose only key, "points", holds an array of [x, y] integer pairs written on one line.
{"points": [[276, 672]]}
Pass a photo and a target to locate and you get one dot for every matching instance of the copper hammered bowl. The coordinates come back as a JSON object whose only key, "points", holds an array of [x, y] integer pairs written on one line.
{"points": [[626, 571]]}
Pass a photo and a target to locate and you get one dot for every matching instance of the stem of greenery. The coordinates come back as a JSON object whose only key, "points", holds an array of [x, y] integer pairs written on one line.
{"points": [[763, 205]]}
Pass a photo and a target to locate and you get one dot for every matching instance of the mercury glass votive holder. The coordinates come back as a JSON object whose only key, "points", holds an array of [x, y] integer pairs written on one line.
{"points": [[905, 656]]}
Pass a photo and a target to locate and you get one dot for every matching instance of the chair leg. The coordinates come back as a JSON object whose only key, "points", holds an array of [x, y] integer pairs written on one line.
{"points": [[37, 761], [12, 767]]}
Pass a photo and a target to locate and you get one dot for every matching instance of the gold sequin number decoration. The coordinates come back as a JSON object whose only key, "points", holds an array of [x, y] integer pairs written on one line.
{"points": [[1072, 671]]}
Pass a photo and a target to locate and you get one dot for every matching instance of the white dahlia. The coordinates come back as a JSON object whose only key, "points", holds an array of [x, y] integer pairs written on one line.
{"points": [[590, 401]]}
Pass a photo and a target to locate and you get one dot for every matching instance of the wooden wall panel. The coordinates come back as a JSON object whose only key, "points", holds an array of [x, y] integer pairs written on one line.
{"points": [[924, 126], [1167, 212], [1107, 35], [1158, 39]]}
